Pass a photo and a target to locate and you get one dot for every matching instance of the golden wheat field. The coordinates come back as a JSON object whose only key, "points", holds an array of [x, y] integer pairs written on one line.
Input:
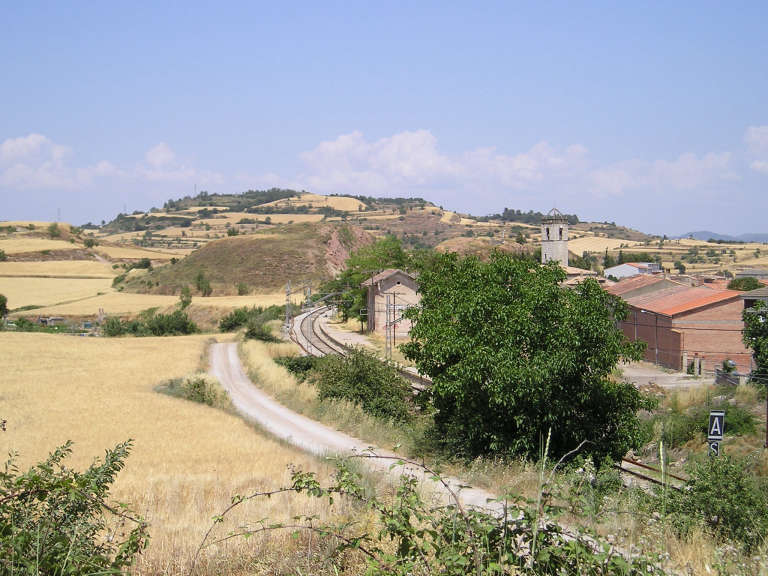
{"points": [[188, 459], [595, 244], [344, 203], [25, 291], [21, 244], [113, 302], [59, 268]]}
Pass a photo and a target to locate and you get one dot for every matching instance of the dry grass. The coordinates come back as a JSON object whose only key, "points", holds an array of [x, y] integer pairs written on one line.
{"points": [[343, 203], [596, 244], [21, 244], [130, 252], [129, 303], [188, 459], [22, 291], [58, 268], [303, 398], [38, 224]]}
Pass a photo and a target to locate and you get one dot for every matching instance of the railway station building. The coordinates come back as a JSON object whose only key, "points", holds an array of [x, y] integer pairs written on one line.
{"points": [[390, 292]]}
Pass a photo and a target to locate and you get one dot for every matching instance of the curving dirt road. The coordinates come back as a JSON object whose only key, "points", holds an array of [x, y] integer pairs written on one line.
{"points": [[310, 435]]}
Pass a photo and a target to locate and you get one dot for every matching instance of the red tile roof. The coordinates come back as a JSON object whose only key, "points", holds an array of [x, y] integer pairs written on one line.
{"points": [[682, 299]]}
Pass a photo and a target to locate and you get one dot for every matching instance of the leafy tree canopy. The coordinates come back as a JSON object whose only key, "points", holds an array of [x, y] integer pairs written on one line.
{"points": [[756, 338], [513, 354], [744, 284], [363, 263]]}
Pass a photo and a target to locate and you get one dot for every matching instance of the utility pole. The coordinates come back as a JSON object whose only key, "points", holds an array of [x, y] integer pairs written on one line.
{"points": [[287, 325], [387, 337], [394, 320]]}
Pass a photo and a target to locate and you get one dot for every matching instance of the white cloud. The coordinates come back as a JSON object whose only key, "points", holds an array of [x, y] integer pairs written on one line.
{"points": [[163, 166], [756, 138], [687, 172], [160, 155], [36, 162], [411, 160]]}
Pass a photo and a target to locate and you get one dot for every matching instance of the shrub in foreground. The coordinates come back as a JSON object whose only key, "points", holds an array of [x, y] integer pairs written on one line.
{"points": [[413, 536], [55, 520], [724, 495]]}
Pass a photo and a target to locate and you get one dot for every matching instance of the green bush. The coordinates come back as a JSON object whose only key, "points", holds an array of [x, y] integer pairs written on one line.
{"points": [[118, 279], [677, 428], [185, 297], [299, 366], [53, 230], [53, 519], [175, 323], [197, 388], [259, 331], [90, 242], [722, 494], [242, 289], [150, 323], [113, 327], [738, 420], [364, 379], [3, 306], [3, 256], [240, 317], [744, 284]]}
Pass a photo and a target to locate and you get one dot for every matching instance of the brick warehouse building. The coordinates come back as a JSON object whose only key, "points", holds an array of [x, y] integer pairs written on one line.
{"points": [[681, 323]]}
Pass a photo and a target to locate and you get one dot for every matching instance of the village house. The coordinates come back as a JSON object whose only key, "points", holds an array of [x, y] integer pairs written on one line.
{"points": [[683, 324], [629, 269], [390, 293]]}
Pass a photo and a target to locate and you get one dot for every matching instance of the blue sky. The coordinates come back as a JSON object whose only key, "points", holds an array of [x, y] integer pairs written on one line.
{"points": [[653, 115]]}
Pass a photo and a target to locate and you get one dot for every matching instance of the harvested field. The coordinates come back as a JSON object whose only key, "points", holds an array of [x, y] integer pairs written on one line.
{"points": [[595, 244], [24, 291], [58, 268], [20, 244], [129, 303], [343, 203], [188, 459]]}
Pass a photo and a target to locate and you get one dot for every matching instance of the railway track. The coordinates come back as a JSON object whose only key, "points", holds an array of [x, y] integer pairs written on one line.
{"points": [[318, 342], [650, 474]]}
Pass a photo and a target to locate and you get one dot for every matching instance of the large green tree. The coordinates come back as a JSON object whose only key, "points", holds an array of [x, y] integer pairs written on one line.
{"points": [[756, 338], [513, 354], [363, 263]]}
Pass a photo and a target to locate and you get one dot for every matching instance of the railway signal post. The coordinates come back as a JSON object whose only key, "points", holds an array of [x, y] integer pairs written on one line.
{"points": [[715, 431]]}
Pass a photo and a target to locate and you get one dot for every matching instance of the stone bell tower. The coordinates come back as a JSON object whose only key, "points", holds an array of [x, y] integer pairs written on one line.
{"points": [[554, 238]]}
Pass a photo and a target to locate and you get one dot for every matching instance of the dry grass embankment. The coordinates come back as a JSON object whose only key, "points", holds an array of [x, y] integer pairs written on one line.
{"points": [[188, 459]]}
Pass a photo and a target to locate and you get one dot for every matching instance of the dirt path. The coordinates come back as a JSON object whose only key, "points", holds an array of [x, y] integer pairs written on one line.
{"points": [[642, 373], [257, 406]]}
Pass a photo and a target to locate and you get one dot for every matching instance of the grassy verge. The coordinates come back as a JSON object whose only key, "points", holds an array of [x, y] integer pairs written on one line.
{"points": [[258, 358]]}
